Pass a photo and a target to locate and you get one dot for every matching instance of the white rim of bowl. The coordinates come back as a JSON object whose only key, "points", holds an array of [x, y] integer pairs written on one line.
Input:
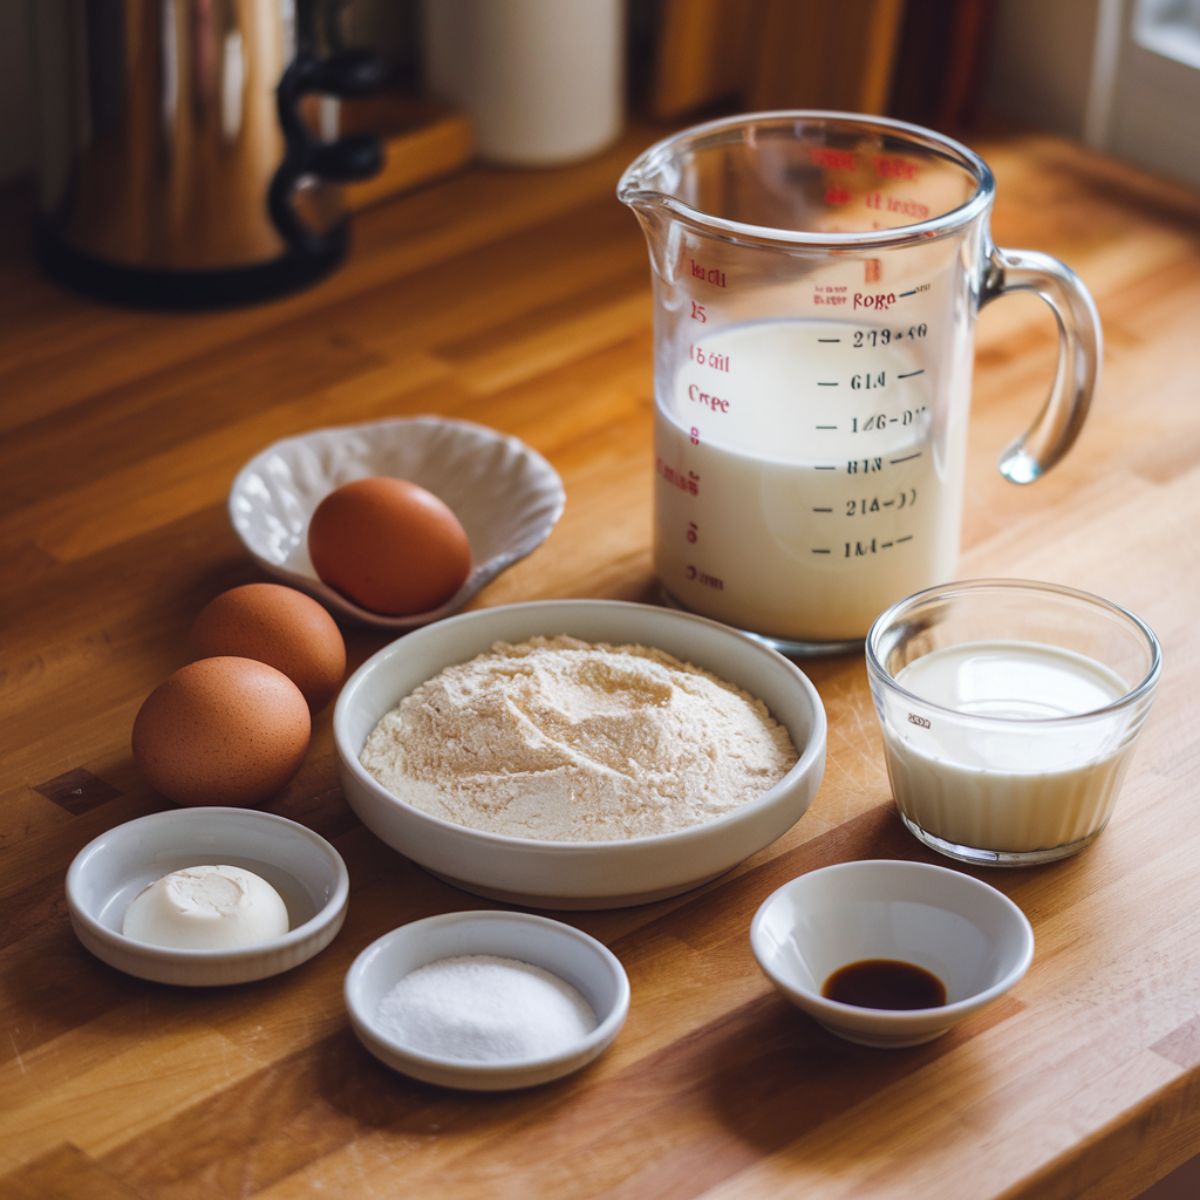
{"points": [[899, 1016], [605, 1030], [888, 617], [336, 903], [816, 741]]}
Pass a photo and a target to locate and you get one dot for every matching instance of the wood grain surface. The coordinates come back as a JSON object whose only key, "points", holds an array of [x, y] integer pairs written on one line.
{"points": [[521, 300]]}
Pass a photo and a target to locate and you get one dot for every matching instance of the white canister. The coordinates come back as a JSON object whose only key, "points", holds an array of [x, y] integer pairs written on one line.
{"points": [[542, 80]]}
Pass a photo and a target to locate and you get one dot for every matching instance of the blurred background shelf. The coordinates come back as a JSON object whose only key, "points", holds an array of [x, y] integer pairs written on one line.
{"points": [[422, 141]]}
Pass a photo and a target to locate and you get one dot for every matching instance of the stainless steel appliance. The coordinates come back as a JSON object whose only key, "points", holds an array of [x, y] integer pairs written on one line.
{"points": [[181, 157]]}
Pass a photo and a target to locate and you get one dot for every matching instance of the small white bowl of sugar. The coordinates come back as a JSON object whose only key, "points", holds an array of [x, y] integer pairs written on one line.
{"points": [[486, 1001]]}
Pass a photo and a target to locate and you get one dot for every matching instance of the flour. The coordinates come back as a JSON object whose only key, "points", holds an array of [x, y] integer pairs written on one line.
{"points": [[564, 740]]}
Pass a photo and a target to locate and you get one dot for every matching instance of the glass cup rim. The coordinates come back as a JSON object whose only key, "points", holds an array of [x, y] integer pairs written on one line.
{"points": [[888, 618], [630, 190]]}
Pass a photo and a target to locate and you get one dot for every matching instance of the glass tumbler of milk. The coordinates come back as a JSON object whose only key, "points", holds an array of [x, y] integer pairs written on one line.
{"points": [[1010, 711], [816, 281]]}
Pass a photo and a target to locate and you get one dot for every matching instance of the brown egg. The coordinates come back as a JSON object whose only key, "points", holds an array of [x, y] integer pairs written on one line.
{"points": [[389, 545], [222, 731], [281, 627]]}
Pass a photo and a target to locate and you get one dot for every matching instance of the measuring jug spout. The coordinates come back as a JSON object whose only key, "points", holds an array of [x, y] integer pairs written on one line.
{"points": [[660, 189], [653, 214], [662, 242], [637, 197], [641, 186]]}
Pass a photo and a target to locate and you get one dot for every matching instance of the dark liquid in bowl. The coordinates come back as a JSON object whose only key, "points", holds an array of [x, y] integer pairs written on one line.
{"points": [[885, 983]]}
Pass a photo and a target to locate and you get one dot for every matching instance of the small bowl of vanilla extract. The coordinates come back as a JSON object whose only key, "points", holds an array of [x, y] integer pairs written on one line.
{"points": [[890, 953]]}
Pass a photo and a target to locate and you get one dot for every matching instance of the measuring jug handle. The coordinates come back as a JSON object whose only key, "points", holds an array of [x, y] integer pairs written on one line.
{"points": [[1079, 349]]}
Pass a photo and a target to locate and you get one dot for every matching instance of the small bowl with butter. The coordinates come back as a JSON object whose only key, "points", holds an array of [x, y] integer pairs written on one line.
{"points": [[207, 897], [890, 953], [1010, 711]]}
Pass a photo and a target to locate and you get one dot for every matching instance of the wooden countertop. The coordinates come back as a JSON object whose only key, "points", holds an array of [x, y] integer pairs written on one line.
{"points": [[521, 300]]}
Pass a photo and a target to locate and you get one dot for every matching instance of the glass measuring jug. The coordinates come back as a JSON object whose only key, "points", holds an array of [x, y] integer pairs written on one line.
{"points": [[816, 280]]}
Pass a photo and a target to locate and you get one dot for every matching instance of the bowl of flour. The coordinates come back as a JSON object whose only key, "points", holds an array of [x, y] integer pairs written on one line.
{"points": [[581, 753]]}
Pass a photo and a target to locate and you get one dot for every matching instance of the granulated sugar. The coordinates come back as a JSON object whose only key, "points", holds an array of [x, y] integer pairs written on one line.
{"points": [[564, 740], [481, 1008]]}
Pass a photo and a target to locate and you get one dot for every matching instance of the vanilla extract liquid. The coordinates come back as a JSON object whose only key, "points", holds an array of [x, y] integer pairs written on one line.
{"points": [[885, 983]]}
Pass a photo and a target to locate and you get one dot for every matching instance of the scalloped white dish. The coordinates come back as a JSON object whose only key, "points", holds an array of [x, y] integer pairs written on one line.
{"points": [[507, 496]]}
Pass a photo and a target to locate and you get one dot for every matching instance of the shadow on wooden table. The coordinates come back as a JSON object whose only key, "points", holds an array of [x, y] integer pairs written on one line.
{"points": [[809, 1080]]}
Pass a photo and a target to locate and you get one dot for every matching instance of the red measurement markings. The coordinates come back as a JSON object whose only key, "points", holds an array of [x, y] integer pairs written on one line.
{"points": [[832, 160], [706, 358], [709, 401], [694, 436], [685, 481], [833, 296], [695, 575], [909, 208], [713, 275], [877, 302], [896, 204], [698, 313], [837, 195], [693, 532], [894, 168]]}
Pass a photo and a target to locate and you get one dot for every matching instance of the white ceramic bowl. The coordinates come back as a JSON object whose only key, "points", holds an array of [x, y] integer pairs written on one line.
{"points": [[578, 875], [583, 962], [302, 866], [972, 937], [507, 496]]}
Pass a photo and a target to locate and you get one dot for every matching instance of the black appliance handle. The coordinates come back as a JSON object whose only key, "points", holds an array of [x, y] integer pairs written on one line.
{"points": [[347, 73]]}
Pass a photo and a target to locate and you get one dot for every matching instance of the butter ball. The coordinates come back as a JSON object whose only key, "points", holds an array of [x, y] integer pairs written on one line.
{"points": [[207, 908]]}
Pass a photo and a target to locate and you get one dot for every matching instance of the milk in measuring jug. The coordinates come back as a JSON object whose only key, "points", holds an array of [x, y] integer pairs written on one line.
{"points": [[803, 481], [987, 788]]}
